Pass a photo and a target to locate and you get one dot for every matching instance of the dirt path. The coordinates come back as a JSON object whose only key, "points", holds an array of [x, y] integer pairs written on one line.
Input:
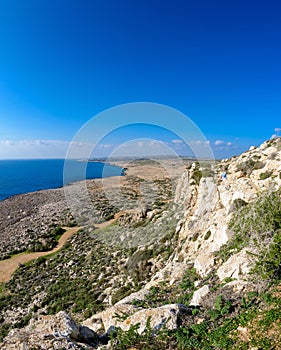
{"points": [[9, 266], [116, 216]]}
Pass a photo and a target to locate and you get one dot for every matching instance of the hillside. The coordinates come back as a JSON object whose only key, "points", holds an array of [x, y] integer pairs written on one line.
{"points": [[197, 267]]}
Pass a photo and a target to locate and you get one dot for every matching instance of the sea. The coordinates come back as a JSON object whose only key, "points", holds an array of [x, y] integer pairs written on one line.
{"points": [[22, 176]]}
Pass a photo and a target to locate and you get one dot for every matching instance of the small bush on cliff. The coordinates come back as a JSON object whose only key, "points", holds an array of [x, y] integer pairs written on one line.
{"points": [[138, 264], [196, 176], [121, 293], [266, 175], [237, 204], [260, 219], [268, 264], [249, 166]]}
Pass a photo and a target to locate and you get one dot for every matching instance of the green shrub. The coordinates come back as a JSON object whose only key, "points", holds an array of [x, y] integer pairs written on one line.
{"points": [[258, 223], [266, 175], [57, 233], [207, 235], [121, 293], [196, 176], [195, 237], [206, 172], [268, 264], [221, 308], [238, 203], [4, 330], [188, 279], [250, 165], [138, 265], [262, 217]]}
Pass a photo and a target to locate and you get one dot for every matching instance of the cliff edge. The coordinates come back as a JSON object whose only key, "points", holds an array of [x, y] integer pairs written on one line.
{"points": [[203, 273]]}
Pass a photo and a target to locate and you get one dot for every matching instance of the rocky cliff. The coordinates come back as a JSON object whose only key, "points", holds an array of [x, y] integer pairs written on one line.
{"points": [[204, 275]]}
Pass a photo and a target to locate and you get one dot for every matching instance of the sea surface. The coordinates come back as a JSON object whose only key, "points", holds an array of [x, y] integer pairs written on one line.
{"points": [[22, 176]]}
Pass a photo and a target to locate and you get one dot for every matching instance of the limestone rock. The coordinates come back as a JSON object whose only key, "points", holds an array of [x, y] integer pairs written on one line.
{"points": [[199, 295], [237, 285], [48, 332], [112, 317], [166, 315], [237, 266], [140, 295], [203, 263]]}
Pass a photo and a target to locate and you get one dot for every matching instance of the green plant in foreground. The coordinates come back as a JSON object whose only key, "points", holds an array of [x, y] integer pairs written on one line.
{"points": [[265, 175], [260, 314], [262, 217], [268, 264]]}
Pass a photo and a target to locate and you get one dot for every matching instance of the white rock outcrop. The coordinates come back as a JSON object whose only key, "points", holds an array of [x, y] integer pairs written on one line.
{"points": [[237, 266], [199, 295], [51, 332], [159, 317]]}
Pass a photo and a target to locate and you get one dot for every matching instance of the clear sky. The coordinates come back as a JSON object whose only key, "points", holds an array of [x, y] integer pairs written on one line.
{"points": [[64, 61]]}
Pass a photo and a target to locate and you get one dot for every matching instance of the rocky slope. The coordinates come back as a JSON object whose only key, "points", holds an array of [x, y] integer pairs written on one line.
{"points": [[201, 271]]}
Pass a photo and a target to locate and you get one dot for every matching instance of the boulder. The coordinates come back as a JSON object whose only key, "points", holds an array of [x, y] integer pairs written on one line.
{"points": [[112, 317], [237, 266], [49, 332], [204, 263], [199, 295], [124, 316], [166, 315]]}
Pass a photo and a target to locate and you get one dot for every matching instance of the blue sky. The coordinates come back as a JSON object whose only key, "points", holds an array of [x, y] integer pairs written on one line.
{"points": [[64, 61]]}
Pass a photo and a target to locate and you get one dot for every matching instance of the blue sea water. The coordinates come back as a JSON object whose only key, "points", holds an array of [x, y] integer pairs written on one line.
{"points": [[22, 176]]}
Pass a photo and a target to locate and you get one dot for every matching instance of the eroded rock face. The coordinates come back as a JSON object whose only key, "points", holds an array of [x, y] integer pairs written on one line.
{"points": [[210, 205]]}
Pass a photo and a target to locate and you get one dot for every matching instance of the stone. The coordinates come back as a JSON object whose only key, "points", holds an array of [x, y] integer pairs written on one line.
{"points": [[237, 266], [166, 315], [112, 317], [140, 295], [150, 215], [204, 263], [49, 332], [199, 295], [237, 286]]}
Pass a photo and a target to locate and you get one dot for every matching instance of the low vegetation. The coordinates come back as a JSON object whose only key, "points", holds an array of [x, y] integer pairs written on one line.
{"points": [[89, 268], [249, 166], [249, 321], [97, 267], [257, 226]]}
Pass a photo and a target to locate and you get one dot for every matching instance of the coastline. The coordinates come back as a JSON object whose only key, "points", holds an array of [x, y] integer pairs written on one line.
{"points": [[29, 217], [21, 186], [26, 219]]}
